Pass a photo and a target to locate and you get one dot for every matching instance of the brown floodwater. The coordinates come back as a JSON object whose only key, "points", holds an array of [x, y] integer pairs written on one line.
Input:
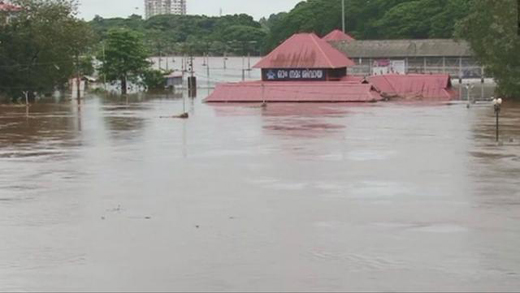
{"points": [[108, 196]]}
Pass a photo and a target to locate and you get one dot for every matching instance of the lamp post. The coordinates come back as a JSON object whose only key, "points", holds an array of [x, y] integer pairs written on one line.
{"points": [[497, 104]]}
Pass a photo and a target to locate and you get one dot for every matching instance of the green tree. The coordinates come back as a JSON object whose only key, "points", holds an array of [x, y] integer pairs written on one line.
{"points": [[170, 34], [492, 31], [154, 79], [422, 19], [370, 19], [125, 57], [39, 47]]}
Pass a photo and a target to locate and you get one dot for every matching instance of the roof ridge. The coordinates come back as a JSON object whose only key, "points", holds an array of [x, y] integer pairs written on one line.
{"points": [[314, 37]]}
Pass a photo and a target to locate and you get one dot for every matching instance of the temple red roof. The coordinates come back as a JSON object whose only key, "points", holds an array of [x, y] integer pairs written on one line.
{"points": [[337, 35], [295, 91], [305, 51], [415, 86]]}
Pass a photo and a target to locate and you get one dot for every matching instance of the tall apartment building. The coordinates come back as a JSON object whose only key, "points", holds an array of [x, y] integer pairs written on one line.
{"points": [[160, 7]]}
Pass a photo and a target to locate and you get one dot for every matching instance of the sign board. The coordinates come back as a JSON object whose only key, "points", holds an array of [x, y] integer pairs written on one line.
{"points": [[293, 74], [389, 67], [398, 66]]}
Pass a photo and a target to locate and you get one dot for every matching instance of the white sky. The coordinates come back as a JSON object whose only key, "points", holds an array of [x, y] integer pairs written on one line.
{"points": [[124, 8]]}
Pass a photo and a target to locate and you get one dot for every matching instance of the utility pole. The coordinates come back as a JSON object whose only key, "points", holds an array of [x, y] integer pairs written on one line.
{"points": [[343, 15]]}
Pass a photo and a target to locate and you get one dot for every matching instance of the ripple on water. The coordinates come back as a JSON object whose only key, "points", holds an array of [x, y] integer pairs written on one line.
{"points": [[425, 228], [357, 262], [368, 155], [443, 228]]}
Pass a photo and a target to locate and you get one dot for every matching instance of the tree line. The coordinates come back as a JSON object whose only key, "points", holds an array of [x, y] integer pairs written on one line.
{"points": [[190, 34], [241, 34]]}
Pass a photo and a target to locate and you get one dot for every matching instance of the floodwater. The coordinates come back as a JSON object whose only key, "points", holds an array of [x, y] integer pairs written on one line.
{"points": [[109, 196]]}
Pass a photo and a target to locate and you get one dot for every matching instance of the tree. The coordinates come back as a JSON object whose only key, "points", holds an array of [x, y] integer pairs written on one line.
{"points": [[422, 19], [125, 57], [370, 19], [38, 48], [492, 31], [168, 34], [154, 79]]}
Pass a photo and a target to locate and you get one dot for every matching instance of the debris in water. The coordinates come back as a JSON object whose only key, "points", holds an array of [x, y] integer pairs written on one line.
{"points": [[181, 116]]}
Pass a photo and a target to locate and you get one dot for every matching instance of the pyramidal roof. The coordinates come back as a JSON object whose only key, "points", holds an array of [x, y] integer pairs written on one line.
{"points": [[337, 35], [305, 51]]}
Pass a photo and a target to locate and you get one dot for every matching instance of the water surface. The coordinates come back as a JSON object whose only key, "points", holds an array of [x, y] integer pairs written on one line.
{"points": [[108, 196]]}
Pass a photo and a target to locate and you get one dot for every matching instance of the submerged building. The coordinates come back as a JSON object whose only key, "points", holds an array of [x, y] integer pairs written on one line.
{"points": [[304, 68], [164, 7], [304, 57], [432, 56]]}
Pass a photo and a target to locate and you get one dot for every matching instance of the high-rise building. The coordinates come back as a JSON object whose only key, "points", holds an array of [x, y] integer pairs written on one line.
{"points": [[160, 7]]}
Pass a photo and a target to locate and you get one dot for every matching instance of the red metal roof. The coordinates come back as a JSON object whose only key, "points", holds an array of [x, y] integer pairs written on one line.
{"points": [[415, 86], [305, 51], [337, 35], [298, 91], [7, 7]]}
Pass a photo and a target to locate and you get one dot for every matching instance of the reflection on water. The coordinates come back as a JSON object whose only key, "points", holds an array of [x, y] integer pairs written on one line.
{"points": [[107, 195]]}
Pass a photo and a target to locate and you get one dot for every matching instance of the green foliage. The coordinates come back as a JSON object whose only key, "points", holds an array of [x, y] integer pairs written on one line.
{"points": [[124, 58], [370, 19], [237, 34], [188, 34], [38, 47], [153, 79], [492, 30], [422, 19], [86, 65]]}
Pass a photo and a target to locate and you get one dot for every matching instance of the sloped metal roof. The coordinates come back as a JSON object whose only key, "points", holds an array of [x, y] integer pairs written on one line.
{"points": [[260, 91], [305, 51], [415, 86], [337, 35], [404, 48]]}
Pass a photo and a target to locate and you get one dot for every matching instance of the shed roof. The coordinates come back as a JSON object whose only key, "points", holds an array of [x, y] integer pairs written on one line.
{"points": [[320, 91], [8, 7], [415, 86], [404, 48], [305, 51], [337, 35]]}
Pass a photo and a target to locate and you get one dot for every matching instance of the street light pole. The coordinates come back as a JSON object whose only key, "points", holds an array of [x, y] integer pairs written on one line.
{"points": [[343, 15], [497, 103]]}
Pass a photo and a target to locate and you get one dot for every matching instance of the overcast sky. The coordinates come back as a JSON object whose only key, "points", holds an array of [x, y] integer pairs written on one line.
{"points": [[123, 8]]}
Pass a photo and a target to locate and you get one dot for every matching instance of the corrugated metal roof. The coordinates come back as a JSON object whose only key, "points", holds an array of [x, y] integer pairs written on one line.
{"points": [[7, 7], [305, 51], [415, 86], [337, 35], [259, 91], [404, 48]]}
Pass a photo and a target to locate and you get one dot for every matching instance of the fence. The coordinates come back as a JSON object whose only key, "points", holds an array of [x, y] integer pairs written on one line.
{"points": [[457, 67]]}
